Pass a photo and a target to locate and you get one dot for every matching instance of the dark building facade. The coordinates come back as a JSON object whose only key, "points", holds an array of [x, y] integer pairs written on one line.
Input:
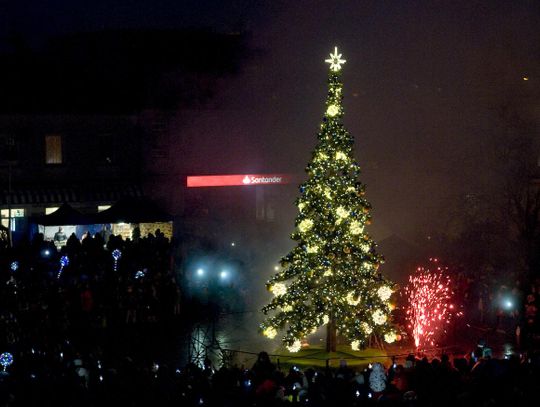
{"points": [[88, 161]]}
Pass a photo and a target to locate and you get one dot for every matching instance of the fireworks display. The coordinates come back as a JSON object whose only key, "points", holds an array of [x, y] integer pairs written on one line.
{"points": [[429, 303]]}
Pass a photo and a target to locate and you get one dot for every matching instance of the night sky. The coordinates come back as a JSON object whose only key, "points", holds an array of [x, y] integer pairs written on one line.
{"points": [[424, 82]]}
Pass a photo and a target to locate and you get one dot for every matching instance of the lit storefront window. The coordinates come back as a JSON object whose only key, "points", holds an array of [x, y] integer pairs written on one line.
{"points": [[15, 213]]}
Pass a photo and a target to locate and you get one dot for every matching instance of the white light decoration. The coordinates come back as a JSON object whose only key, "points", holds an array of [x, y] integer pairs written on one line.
{"points": [[342, 212], [332, 110], [352, 299], [365, 247], [295, 347], [278, 289], [312, 249], [355, 345], [356, 227], [328, 193], [305, 225], [390, 337], [325, 319], [322, 156], [327, 273], [270, 332], [384, 292], [378, 317], [340, 155], [351, 189], [367, 265], [287, 308], [366, 328], [301, 206], [335, 61]]}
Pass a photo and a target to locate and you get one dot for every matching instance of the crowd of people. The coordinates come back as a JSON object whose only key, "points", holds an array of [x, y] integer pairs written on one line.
{"points": [[68, 379], [85, 325]]}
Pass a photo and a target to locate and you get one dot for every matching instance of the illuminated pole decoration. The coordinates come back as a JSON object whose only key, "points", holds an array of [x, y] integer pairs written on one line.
{"points": [[116, 254], [331, 277], [6, 359], [64, 261], [429, 308]]}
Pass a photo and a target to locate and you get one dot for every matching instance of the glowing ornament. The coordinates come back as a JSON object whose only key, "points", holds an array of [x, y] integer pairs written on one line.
{"points": [[351, 189], [270, 332], [305, 225], [335, 61], [287, 308], [366, 328], [390, 337], [6, 359], [342, 212], [14, 265], [64, 261], [352, 299], [327, 273], [322, 156], [379, 317], [384, 292], [355, 345], [295, 347], [356, 227], [325, 319], [278, 289], [340, 155], [332, 111], [301, 206], [365, 247], [312, 249]]}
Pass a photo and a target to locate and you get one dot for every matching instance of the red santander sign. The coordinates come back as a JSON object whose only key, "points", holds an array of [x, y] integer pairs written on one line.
{"points": [[197, 181]]}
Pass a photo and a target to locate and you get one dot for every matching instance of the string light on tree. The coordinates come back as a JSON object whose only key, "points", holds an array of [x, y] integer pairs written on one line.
{"points": [[331, 273]]}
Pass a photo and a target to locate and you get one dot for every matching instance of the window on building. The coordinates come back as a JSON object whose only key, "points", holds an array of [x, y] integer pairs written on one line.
{"points": [[8, 149], [102, 208], [53, 149], [51, 209], [15, 213]]}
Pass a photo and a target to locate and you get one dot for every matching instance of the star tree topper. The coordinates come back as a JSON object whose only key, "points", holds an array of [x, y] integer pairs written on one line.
{"points": [[335, 61]]}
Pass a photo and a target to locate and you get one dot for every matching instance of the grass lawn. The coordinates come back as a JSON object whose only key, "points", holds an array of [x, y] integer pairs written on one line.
{"points": [[316, 356]]}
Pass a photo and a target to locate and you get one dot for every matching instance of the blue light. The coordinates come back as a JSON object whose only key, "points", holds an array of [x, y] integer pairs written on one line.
{"points": [[6, 359], [139, 274], [200, 272], [224, 274], [14, 266], [116, 254], [64, 261]]}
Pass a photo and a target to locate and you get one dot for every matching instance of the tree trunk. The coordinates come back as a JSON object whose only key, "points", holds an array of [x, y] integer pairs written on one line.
{"points": [[331, 335]]}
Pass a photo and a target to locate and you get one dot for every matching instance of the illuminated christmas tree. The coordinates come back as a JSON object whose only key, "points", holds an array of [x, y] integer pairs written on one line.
{"points": [[331, 277]]}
